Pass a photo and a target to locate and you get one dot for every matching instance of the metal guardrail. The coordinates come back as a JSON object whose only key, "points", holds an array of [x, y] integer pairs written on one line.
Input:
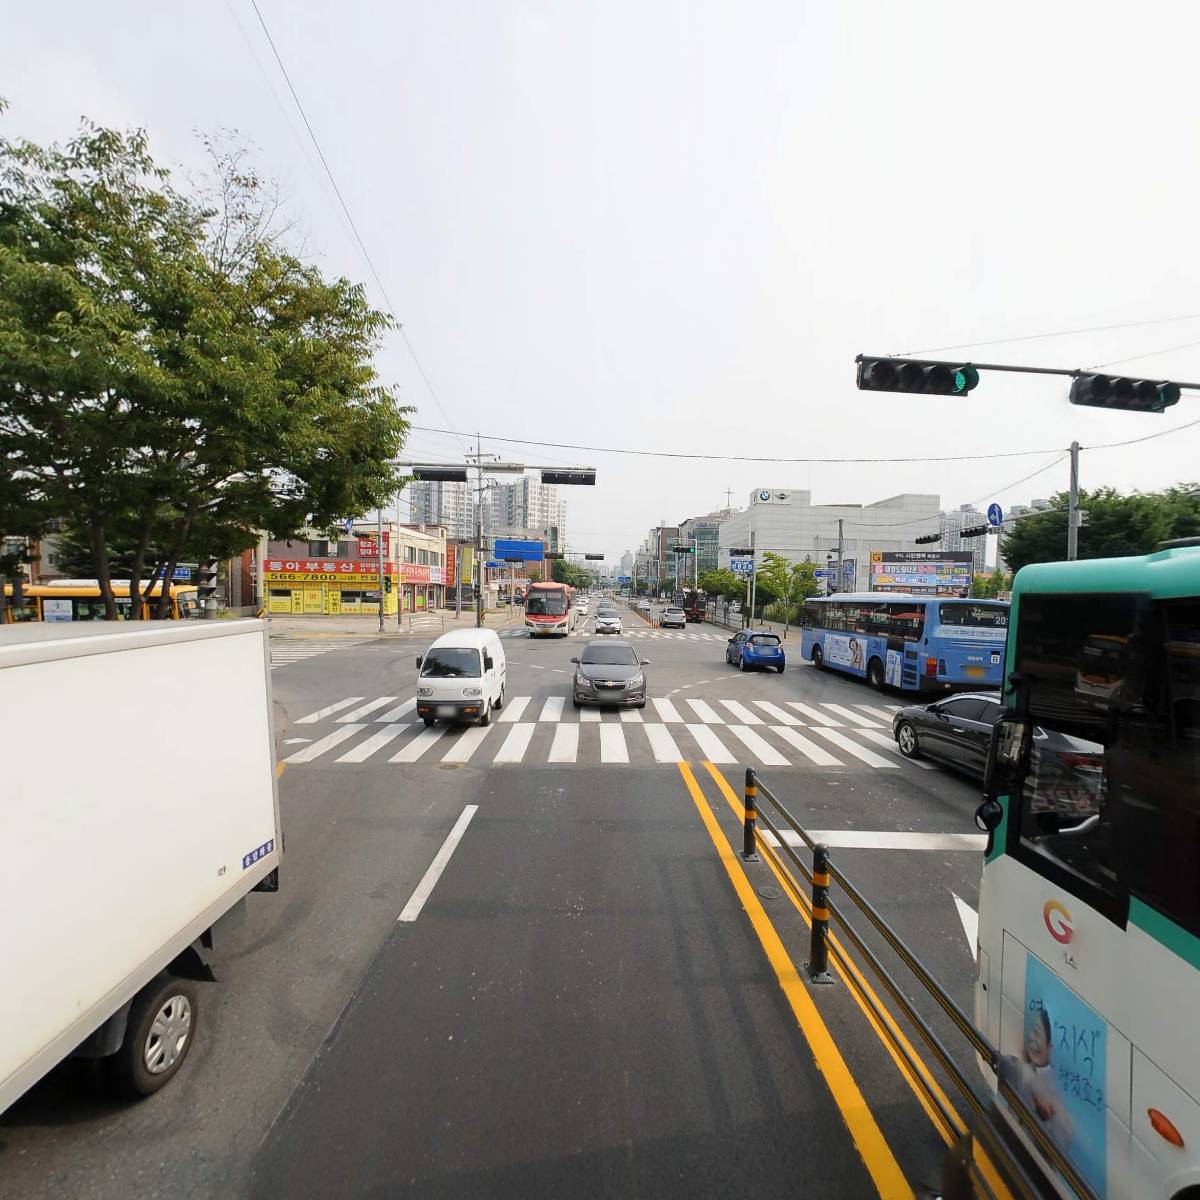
{"points": [[982, 1126]]}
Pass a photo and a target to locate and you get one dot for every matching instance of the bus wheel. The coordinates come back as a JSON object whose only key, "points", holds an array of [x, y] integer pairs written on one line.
{"points": [[875, 674], [818, 659]]}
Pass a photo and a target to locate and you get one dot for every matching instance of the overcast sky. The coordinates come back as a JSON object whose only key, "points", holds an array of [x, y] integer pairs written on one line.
{"points": [[671, 226]]}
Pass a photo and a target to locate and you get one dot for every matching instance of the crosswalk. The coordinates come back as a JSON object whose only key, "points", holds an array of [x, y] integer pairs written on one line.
{"points": [[543, 730], [676, 635], [285, 651]]}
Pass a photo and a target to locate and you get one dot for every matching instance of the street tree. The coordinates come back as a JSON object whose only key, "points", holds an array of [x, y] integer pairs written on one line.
{"points": [[722, 582]]}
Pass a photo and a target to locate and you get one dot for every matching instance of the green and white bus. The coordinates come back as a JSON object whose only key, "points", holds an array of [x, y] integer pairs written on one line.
{"points": [[1089, 925]]}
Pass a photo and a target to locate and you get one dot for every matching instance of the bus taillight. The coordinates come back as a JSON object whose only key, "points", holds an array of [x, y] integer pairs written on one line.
{"points": [[931, 667]]}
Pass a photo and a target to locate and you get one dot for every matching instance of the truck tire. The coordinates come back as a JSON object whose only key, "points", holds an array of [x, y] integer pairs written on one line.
{"points": [[158, 1036]]}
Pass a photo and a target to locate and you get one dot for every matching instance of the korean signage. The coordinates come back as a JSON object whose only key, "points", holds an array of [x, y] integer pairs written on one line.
{"points": [[526, 551], [329, 570], [922, 572], [742, 566], [368, 547]]}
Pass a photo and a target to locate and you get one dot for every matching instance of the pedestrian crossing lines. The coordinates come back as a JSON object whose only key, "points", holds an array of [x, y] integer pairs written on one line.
{"points": [[541, 731], [285, 651], [646, 634]]}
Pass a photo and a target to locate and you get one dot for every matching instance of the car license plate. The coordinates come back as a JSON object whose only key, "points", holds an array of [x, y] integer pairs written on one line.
{"points": [[975, 672], [447, 710], [995, 660]]}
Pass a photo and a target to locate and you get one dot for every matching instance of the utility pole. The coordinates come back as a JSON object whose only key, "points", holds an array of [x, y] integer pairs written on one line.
{"points": [[479, 570], [841, 550], [1073, 507], [379, 559], [396, 578]]}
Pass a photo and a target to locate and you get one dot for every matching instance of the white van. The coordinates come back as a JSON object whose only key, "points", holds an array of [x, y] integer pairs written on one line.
{"points": [[461, 677]]}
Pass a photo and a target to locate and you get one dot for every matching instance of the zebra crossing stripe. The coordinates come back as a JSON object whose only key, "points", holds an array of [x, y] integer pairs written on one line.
{"points": [[589, 714], [889, 743], [326, 743], [517, 742], [873, 711], [852, 747], [711, 745], [565, 747], [552, 710], [612, 744], [363, 709], [817, 755], [849, 714], [662, 744], [466, 743], [741, 713], [774, 711], [514, 708], [667, 710], [396, 713], [705, 713], [632, 716], [418, 746], [313, 717], [762, 750], [376, 741], [814, 716]]}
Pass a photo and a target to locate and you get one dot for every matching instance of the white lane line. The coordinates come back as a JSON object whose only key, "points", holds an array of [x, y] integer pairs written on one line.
{"points": [[466, 743], [295, 741], [414, 749], [848, 713], [416, 902], [516, 743], [667, 710], [394, 714], [313, 717], [705, 712], [632, 716], [873, 710], [762, 750], [565, 747], [970, 922], [887, 839], [514, 708], [852, 747], [774, 711], [612, 744], [741, 713], [589, 714], [552, 710], [376, 741], [710, 745], [363, 709], [811, 751], [889, 743], [663, 744], [326, 743], [814, 715]]}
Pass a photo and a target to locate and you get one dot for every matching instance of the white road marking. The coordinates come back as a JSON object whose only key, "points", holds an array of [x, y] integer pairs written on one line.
{"points": [[667, 710], [416, 902], [773, 710], [889, 743], [762, 750], [710, 745], [589, 714], [363, 709], [295, 741], [849, 714], [742, 713], [970, 922], [565, 747], [852, 747], [326, 743], [394, 714], [516, 743], [552, 710], [313, 717], [514, 708], [467, 743], [705, 713], [663, 744], [632, 716], [814, 715], [887, 839], [813, 752], [376, 741], [612, 744], [873, 710], [414, 749]]}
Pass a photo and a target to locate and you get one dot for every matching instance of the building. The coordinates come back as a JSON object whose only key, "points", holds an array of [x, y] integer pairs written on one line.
{"points": [[449, 504], [527, 504], [785, 521], [703, 535], [1011, 517], [950, 525]]}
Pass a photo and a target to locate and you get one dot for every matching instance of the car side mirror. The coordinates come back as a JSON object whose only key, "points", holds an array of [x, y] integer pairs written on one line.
{"points": [[420, 660], [732, 640], [488, 664], [645, 662], [575, 660]]}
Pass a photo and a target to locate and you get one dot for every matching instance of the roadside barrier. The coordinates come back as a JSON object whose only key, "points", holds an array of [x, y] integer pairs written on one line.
{"points": [[983, 1161]]}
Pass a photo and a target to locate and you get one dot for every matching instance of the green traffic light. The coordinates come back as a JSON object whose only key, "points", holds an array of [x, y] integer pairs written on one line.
{"points": [[965, 378]]}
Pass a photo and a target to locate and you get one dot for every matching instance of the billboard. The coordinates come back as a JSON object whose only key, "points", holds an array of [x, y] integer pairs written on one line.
{"points": [[517, 548], [922, 572], [368, 547]]}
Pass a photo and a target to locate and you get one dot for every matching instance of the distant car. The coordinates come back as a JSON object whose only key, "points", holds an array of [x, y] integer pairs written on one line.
{"points": [[581, 608], [673, 618], [755, 648], [609, 673], [608, 622], [1066, 773]]}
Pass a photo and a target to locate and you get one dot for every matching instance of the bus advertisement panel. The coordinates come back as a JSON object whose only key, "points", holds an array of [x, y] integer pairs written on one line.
{"points": [[922, 572]]}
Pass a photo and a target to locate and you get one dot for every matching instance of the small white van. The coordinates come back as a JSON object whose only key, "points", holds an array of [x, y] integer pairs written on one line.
{"points": [[461, 677]]}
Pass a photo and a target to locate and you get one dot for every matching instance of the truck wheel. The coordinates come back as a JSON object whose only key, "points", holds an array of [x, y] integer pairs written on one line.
{"points": [[485, 717], [500, 698], [429, 721], [875, 674], [158, 1036]]}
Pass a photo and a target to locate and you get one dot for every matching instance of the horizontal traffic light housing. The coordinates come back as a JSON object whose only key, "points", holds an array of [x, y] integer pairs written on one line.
{"points": [[593, 557], [431, 473], [975, 531], [1121, 392], [582, 475], [928, 537], [915, 375]]}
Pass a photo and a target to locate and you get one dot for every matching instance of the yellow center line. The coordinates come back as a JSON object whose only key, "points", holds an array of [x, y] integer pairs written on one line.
{"points": [[868, 1139], [279, 769]]}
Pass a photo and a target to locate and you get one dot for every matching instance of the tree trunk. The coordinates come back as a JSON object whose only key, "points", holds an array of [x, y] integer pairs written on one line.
{"points": [[135, 575], [98, 544], [4, 598], [179, 534]]}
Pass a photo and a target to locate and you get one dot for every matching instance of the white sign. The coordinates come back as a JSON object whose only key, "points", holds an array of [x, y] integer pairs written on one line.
{"points": [[57, 608]]}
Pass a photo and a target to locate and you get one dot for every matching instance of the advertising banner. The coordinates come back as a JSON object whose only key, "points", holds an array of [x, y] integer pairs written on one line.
{"points": [[437, 575], [325, 567], [922, 572], [846, 650], [368, 547]]}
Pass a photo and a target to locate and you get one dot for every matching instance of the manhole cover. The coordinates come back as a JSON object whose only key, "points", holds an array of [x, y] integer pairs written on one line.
{"points": [[769, 893], [447, 766]]}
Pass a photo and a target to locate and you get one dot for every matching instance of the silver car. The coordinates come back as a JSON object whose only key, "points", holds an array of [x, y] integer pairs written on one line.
{"points": [[608, 622], [609, 673]]}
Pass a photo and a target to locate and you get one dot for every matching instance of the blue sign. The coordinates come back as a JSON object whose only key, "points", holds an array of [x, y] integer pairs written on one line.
{"points": [[496, 566], [348, 525], [182, 573], [822, 574], [995, 514], [514, 548], [742, 566], [624, 578]]}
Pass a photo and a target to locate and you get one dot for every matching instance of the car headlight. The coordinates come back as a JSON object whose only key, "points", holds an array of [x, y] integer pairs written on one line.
{"points": [[637, 681], [472, 691], [424, 691]]}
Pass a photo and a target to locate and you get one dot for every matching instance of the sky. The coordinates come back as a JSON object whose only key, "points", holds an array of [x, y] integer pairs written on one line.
{"points": [[671, 226]]}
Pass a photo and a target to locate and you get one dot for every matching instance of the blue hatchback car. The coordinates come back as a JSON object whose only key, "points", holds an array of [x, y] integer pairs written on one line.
{"points": [[755, 648]]}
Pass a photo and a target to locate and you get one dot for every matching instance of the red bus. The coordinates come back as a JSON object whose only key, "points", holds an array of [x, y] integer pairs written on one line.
{"points": [[549, 609]]}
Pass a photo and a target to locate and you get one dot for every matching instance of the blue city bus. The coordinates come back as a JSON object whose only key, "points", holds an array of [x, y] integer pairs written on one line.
{"points": [[914, 643]]}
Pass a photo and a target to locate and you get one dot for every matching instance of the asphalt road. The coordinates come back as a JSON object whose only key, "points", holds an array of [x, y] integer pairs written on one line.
{"points": [[585, 1004]]}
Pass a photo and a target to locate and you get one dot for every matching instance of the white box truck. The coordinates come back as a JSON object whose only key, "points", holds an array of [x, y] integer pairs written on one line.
{"points": [[138, 808]]}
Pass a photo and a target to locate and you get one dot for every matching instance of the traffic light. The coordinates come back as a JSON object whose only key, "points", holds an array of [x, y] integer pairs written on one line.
{"points": [[684, 549], [594, 556], [1130, 395], [915, 375], [555, 554], [206, 584], [740, 552], [928, 537], [975, 531], [581, 475], [434, 473], [387, 584]]}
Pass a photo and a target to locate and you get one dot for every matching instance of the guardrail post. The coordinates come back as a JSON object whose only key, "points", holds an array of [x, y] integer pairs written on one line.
{"points": [[748, 851], [818, 948]]}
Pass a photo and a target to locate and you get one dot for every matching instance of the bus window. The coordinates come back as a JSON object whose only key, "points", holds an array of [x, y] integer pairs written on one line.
{"points": [[973, 616], [906, 621]]}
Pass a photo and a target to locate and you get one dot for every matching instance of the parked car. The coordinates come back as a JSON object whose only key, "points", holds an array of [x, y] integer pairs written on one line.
{"points": [[608, 621], [1066, 773], [755, 648], [609, 673], [673, 618]]}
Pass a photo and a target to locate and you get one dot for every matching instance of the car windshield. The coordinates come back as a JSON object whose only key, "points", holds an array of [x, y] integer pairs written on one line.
{"points": [[450, 662], [546, 604], [609, 656], [973, 616]]}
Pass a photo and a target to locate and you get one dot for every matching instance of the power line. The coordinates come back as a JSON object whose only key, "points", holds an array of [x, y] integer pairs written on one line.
{"points": [[1147, 438], [1148, 354], [346, 209]]}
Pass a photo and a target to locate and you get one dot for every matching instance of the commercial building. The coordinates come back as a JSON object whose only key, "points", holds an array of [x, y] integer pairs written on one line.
{"points": [[451, 505], [950, 525], [703, 535]]}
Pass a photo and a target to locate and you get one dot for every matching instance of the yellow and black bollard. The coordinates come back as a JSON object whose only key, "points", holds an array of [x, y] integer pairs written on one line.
{"points": [[748, 851], [818, 949]]}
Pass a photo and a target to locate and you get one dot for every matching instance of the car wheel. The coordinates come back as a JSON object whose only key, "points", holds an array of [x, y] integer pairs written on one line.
{"points": [[485, 717], [818, 659], [500, 698], [428, 721], [158, 1035], [780, 668], [641, 705], [906, 739], [741, 662], [875, 674], [575, 702]]}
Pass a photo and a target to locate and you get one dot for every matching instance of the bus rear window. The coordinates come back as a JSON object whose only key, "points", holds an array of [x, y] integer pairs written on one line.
{"points": [[973, 616]]}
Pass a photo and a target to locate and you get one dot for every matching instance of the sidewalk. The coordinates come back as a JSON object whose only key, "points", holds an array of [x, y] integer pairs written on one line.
{"points": [[792, 634], [366, 625]]}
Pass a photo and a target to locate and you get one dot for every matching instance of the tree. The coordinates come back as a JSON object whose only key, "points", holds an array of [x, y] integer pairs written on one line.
{"points": [[774, 576], [989, 587], [724, 583], [562, 571]]}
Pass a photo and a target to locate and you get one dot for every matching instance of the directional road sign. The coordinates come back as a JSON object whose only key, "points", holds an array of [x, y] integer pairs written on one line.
{"points": [[995, 514], [742, 566]]}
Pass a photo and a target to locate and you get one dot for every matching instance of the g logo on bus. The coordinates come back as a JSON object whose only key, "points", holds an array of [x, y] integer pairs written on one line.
{"points": [[1058, 922]]}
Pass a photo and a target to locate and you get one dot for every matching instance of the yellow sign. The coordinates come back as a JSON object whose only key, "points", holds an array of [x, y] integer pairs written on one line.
{"points": [[312, 600], [333, 600], [279, 602], [297, 601], [315, 578]]}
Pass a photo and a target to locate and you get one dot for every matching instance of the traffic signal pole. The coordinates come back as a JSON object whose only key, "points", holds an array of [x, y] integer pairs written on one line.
{"points": [[379, 559], [1073, 506]]}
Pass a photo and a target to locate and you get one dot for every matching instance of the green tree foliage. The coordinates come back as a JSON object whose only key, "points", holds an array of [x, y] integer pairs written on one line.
{"points": [[989, 587], [172, 380], [724, 583], [1117, 525], [562, 571]]}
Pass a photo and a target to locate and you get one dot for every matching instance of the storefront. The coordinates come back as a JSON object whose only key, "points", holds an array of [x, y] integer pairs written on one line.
{"points": [[329, 586]]}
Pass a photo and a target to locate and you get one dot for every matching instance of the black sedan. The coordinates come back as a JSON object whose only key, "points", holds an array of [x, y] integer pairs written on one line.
{"points": [[609, 672]]}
